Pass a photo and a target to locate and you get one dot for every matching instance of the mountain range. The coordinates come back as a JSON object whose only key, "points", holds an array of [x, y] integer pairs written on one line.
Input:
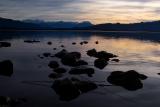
{"points": [[10, 24]]}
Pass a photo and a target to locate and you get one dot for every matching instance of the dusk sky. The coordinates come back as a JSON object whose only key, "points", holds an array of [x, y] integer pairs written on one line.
{"points": [[96, 11]]}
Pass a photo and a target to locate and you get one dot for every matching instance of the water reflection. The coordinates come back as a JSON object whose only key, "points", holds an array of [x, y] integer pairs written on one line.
{"points": [[139, 53]]}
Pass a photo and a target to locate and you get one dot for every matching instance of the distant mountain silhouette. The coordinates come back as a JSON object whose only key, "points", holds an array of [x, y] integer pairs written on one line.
{"points": [[143, 26], [39, 24], [9, 24]]}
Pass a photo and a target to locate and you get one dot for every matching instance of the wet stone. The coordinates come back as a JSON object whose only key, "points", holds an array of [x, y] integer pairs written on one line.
{"points": [[5, 44], [46, 54], [130, 80], [100, 63], [6, 68], [60, 70]]}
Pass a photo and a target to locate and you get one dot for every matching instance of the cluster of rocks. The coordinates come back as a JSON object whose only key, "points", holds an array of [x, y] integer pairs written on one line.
{"points": [[69, 89], [130, 80], [5, 44], [70, 58], [102, 57]]}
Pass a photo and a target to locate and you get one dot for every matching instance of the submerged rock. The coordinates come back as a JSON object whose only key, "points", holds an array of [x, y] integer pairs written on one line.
{"points": [[69, 89], [85, 42], [54, 48], [78, 71], [6, 68], [130, 80], [53, 64], [5, 44], [60, 70], [31, 41], [62, 46], [100, 63]]}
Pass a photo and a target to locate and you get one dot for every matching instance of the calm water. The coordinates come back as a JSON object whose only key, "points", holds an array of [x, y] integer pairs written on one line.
{"points": [[140, 52]]}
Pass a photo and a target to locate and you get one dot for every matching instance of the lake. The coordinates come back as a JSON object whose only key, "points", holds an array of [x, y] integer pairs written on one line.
{"points": [[136, 51]]}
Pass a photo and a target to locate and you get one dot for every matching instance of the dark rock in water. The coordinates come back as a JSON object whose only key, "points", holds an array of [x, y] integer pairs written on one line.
{"points": [[81, 62], [49, 43], [46, 54], [96, 42], [5, 44], [100, 63], [61, 53], [115, 60], [55, 75], [60, 70], [78, 71], [66, 89], [76, 55], [71, 58], [74, 43], [69, 89], [40, 56], [53, 64], [85, 86], [92, 52], [104, 55], [81, 43], [130, 80], [158, 73], [31, 41], [6, 68], [54, 48], [62, 46], [85, 42]]}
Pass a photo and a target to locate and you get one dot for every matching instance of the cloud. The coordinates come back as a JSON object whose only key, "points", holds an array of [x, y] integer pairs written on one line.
{"points": [[97, 11]]}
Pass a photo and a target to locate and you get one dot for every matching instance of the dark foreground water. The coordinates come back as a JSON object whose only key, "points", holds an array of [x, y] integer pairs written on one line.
{"points": [[136, 51]]}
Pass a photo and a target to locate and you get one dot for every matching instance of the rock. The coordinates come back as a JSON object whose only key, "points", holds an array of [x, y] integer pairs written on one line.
{"points": [[78, 71], [96, 42], [55, 75], [66, 89], [76, 55], [60, 70], [62, 46], [81, 62], [53, 64], [100, 63], [130, 80], [81, 43], [54, 48], [6, 68], [46, 54], [92, 52], [74, 43], [5, 44], [31, 41], [85, 86], [115, 60], [49, 43], [61, 53], [69, 89], [85, 42], [71, 58], [104, 55]]}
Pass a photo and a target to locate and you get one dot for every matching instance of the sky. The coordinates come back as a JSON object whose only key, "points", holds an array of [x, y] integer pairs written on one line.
{"points": [[95, 11]]}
